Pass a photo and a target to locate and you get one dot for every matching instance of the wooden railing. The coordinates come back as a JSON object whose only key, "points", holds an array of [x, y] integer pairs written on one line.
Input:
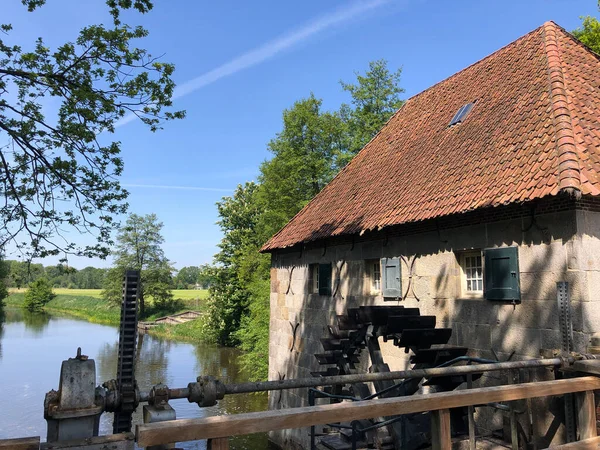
{"points": [[218, 429]]}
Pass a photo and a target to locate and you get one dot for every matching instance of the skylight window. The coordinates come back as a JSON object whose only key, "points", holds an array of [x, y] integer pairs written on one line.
{"points": [[461, 114]]}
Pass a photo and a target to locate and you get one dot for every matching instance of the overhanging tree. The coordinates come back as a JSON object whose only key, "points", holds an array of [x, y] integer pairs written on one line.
{"points": [[59, 170], [139, 248]]}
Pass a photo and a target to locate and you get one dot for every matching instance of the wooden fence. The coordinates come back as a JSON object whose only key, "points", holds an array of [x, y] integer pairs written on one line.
{"points": [[218, 429]]}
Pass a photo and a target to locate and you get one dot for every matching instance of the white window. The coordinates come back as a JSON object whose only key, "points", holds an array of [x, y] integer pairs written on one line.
{"points": [[376, 276], [471, 264], [373, 267]]}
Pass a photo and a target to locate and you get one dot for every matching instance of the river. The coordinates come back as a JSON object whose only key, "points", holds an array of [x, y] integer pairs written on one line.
{"points": [[32, 347]]}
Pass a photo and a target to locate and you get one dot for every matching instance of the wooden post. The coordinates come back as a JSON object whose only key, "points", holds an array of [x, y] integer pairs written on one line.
{"points": [[471, 408], [586, 415], [440, 430], [218, 444], [514, 432]]}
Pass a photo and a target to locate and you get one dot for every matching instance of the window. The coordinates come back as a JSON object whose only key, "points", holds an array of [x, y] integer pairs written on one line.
{"points": [[376, 275], [313, 278], [324, 279], [493, 274], [502, 274], [461, 114], [373, 275], [319, 279], [471, 264]]}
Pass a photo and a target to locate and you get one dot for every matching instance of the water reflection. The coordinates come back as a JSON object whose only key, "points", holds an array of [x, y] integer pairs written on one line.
{"points": [[32, 347]]}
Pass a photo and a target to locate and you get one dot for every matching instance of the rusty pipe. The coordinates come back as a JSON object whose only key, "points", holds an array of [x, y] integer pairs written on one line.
{"points": [[296, 383], [277, 385]]}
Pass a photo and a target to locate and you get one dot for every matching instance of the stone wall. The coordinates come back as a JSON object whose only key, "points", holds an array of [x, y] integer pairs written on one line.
{"points": [[552, 247]]}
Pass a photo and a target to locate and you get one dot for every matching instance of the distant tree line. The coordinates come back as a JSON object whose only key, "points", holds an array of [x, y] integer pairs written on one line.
{"points": [[20, 274], [194, 277]]}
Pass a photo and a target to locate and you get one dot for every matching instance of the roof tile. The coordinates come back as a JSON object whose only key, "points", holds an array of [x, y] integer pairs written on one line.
{"points": [[533, 131]]}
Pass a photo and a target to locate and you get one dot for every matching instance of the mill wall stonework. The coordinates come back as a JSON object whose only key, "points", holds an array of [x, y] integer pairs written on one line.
{"points": [[552, 247]]}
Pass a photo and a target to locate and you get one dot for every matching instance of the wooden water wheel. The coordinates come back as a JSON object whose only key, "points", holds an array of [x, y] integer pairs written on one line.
{"points": [[359, 329]]}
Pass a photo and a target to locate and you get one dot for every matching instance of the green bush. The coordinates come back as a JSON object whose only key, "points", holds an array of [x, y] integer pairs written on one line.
{"points": [[38, 294]]}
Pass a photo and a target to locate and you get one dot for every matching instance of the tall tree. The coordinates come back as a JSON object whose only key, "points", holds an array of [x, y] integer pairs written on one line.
{"points": [[229, 297], [311, 148], [304, 160], [55, 173], [139, 248], [375, 97]]}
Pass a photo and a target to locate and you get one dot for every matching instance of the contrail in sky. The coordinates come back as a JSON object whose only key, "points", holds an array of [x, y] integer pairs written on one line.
{"points": [[272, 48], [185, 188]]}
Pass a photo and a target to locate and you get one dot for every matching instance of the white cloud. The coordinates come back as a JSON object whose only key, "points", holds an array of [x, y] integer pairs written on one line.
{"points": [[274, 47]]}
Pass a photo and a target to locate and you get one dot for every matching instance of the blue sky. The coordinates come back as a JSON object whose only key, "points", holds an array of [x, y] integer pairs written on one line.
{"points": [[240, 63]]}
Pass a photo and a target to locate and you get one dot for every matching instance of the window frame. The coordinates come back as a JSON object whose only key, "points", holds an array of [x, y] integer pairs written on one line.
{"points": [[371, 265], [462, 263]]}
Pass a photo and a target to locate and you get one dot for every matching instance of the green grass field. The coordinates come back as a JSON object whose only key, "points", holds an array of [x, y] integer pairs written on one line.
{"points": [[88, 304]]}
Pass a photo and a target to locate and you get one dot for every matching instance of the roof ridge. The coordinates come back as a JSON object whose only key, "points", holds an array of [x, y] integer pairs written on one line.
{"points": [[569, 171]]}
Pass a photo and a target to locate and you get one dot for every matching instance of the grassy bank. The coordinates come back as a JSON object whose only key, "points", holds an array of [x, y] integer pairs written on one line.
{"points": [[189, 331], [93, 309], [87, 304]]}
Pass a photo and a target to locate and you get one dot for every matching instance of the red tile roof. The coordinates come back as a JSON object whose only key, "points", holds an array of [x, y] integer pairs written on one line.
{"points": [[534, 130]]}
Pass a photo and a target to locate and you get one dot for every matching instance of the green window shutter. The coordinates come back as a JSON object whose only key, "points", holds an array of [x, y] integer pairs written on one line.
{"points": [[501, 274], [391, 282], [325, 279]]}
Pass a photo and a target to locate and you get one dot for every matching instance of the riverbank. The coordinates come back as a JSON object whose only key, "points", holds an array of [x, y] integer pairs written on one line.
{"points": [[92, 309], [97, 310]]}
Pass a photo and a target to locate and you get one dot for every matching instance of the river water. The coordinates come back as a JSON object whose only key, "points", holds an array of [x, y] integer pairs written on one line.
{"points": [[32, 347]]}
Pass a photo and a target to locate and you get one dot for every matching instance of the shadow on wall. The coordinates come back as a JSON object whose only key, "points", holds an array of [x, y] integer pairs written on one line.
{"points": [[489, 329], [545, 258]]}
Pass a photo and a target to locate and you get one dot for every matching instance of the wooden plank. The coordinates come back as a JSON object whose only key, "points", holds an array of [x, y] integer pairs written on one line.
{"points": [[440, 430], [239, 424], [586, 444], [586, 415], [218, 444], [119, 441], [28, 443]]}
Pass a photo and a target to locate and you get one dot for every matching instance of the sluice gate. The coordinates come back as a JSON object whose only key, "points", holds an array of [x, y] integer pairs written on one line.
{"points": [[377, 409]]}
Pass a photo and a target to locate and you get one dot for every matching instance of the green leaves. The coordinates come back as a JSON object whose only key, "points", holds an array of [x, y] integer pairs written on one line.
{"points": [[589, 33], [56, 175], [375, 97], [38, 294], [311, 148], [139, 248]]}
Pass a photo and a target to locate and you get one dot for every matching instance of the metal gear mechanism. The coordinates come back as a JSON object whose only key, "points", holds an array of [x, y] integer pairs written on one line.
{"points": [[126, 384]]}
